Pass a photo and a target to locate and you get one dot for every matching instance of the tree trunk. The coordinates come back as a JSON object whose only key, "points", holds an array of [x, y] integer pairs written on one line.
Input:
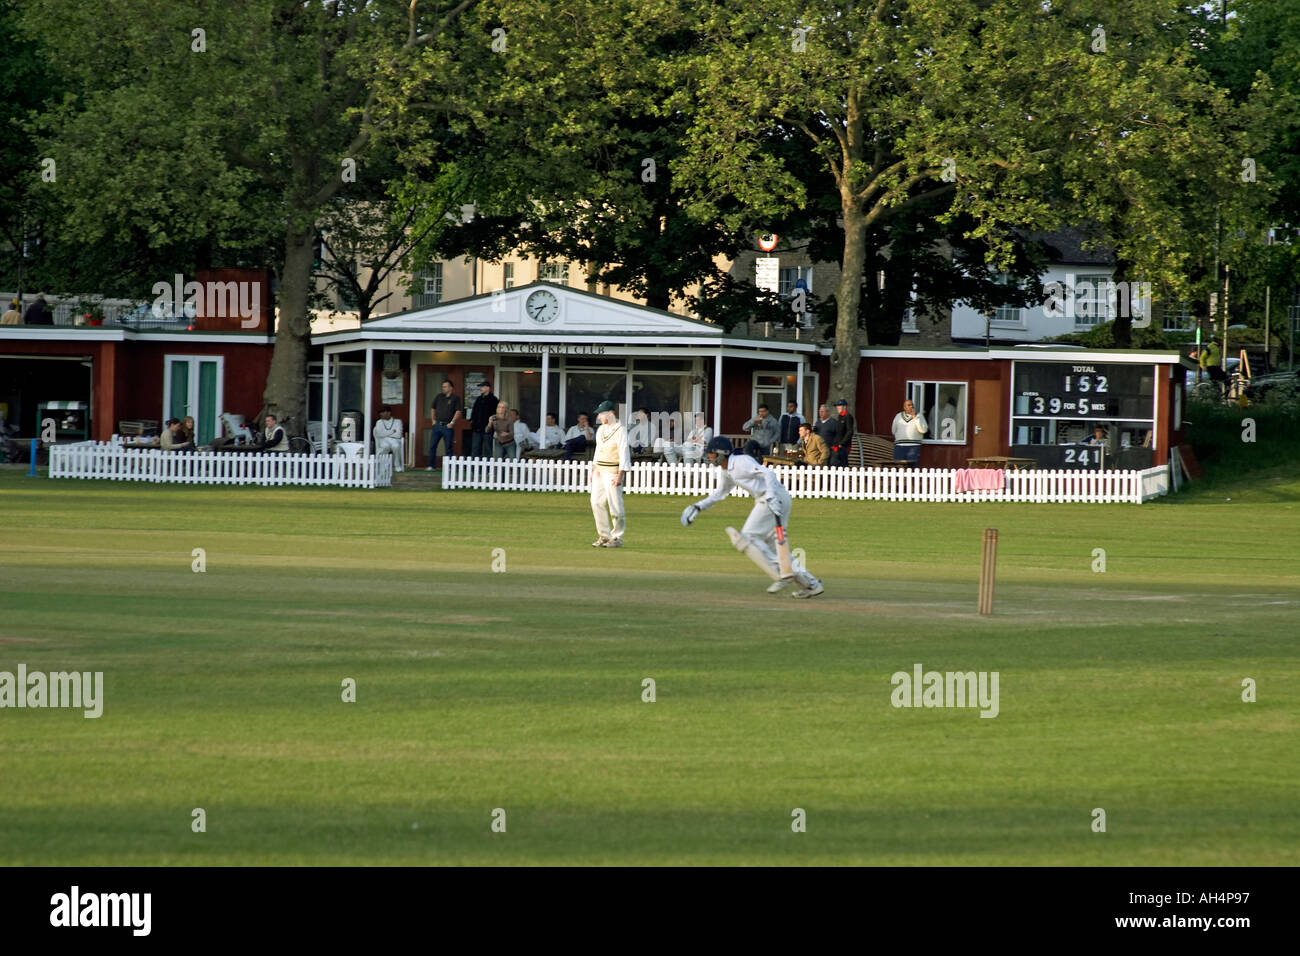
{"points": [[849, 340], [286, 384], [1122, 329]]}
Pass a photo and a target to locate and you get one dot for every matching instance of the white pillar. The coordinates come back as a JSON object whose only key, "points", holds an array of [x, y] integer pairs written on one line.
{"points": [[413, 418], [717, 394], [365, 403], [546, 392], [325, 405], [798, 391]]}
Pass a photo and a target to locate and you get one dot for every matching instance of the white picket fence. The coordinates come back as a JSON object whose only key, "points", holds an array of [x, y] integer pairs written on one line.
{"points": [[872, 484], [110, 460]]}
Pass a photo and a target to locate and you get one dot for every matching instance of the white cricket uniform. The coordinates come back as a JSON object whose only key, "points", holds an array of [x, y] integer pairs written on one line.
{"points": [[553, 435], [763, 486], [388, 438], [611, 457], [690, 450]]}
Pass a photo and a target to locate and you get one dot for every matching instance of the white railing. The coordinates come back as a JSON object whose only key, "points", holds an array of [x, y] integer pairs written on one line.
{"points": [[112, 461], [873, 484]]}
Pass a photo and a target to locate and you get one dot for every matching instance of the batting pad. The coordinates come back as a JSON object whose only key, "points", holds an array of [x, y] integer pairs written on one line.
{"points": [[747, 546]]}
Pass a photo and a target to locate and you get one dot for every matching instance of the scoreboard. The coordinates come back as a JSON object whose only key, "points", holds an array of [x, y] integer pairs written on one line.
{"points": [[1056, 404], [1092, 391]]}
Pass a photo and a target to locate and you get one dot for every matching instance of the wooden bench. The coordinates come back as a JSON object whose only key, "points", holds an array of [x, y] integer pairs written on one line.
{"points": [[872, 451]]}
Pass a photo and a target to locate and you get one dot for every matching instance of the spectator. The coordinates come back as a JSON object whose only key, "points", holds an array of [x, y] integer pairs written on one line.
{"points": [[692, 449], [844, 431], [484, 408], [38, 313], [190, 431], [790, 423], [502, 429], [274, 437], [524, 439], [388, 436], [908, 428], [13, 316], [826, 428], [638, 436], [1098, 436], [173, 438], [812, 450], [551, 436], [447, 411], [1211, 361], [577, 438], [763, 429]]}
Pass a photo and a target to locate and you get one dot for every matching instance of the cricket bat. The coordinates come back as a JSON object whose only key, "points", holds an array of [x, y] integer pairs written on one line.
{"points": [[783, 552]]}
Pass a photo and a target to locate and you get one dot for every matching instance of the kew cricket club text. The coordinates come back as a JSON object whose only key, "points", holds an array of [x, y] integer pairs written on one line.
{"points": [[948, 689], [550, 348]]}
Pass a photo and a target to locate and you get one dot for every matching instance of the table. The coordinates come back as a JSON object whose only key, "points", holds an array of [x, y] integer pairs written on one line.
{"points": [[780, 460], [1003, 462]]}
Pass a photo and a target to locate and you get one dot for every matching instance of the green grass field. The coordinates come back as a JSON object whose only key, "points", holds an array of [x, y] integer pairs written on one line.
{"points": [[522, 690]]}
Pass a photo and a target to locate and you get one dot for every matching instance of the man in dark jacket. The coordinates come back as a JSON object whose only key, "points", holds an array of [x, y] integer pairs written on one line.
{"points": [[825, 427], [38, 313], [843, 433], [790, 423], [485, 406]]}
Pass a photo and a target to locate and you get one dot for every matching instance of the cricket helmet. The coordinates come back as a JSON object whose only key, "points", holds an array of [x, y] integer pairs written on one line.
{"points": [[721, 445]]}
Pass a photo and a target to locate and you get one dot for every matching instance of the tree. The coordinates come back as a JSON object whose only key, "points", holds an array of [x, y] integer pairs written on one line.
{"points": [[1021, 112], [235, 121]]}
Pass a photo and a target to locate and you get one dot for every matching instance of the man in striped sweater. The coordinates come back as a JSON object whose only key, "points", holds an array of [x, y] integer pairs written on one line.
{"points": [[609, 467]]}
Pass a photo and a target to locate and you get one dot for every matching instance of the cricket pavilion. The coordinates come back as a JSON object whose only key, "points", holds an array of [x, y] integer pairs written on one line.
{"points": [[546, 348]]}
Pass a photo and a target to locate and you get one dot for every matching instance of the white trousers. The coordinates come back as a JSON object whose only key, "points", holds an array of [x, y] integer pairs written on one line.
{"points": [[674, 452], [607, 505], [393, 445], [760, 527]]}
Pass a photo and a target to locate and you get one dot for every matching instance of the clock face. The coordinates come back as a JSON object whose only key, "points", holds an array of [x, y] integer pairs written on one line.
{"points": [[542, 307]]}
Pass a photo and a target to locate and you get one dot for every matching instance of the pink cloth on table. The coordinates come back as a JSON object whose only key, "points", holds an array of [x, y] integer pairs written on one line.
{"points": [[979, 479]]}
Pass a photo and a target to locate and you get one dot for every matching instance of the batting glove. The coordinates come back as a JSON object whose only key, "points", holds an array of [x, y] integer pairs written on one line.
{"points": [[690, 514]]}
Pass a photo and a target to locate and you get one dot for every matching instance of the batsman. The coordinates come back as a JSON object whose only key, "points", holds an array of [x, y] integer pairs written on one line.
{"points": [[763, 538]]}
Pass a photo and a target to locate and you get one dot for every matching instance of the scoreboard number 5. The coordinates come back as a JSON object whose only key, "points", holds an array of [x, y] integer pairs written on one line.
{"points": [[1086, 383]]}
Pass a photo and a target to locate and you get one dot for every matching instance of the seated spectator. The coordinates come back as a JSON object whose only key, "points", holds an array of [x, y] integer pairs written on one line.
{"points": [[524, 439], [173, 437], [503, 433], [1098, 436], [692, 449], [388, 436], [13, 316], [811, 449], [551, 436], [638, 433], [577, 438], [190, 431], [274, 438], [765, 430]]}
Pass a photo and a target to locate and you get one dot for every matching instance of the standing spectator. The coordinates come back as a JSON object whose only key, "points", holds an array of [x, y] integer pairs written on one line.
{"points": [[1211, 361], [845, 429], [484, 408], [692, 449], [388, 436], [790, 423], [274, 438], [13, 316], [826, 428], [447, 411], [551, 436], [577, 438], [909, 426], [38, 313], [502, 429], [764, 429], [812, 450], [609, 467]]}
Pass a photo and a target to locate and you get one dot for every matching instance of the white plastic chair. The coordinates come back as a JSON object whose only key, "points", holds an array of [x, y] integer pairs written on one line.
{"points": [[314, 436], [354, 450]]}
